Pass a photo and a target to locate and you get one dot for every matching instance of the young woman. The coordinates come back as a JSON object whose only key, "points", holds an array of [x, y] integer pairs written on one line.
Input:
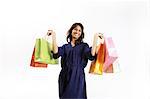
{"points": [[74, 57]]}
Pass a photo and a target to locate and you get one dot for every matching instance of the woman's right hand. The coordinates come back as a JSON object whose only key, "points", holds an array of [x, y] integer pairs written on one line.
{"points": [[53, 34]]}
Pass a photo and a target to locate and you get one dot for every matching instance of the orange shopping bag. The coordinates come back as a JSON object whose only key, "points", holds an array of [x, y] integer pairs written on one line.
{"points": [[97, 65], [106, 56]]}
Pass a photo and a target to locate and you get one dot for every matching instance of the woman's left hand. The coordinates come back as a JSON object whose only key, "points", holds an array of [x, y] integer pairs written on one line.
{"points": [[100, 35], [95, 48]]}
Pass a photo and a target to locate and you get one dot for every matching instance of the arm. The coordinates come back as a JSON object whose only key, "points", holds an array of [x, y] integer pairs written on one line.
{"points": [[93, 51], [55, 47]]}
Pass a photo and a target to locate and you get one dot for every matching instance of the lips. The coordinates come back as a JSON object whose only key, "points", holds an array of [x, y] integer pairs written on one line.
{"points": [[76, 35]]}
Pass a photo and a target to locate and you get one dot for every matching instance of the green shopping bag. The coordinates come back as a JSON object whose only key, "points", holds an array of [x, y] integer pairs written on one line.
{"points": [[43, 52]]}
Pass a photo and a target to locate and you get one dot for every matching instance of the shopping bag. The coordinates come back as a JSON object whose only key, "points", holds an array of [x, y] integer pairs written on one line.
{"points": [[110, 69], [97, 65], [111, 53], [106, 57], [116, 66], [36, 64], [43, 52], [113, 68]]}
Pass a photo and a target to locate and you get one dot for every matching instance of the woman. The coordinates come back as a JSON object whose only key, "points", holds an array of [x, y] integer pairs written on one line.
{"points": [[74, 57]]}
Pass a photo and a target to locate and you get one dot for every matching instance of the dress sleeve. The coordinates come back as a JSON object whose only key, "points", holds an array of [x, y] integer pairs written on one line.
{"points": [[87, 53], [60, 52]]}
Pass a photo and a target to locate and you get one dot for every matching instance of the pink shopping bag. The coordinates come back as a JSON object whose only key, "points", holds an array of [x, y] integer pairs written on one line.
{"points": [[111, 53]]}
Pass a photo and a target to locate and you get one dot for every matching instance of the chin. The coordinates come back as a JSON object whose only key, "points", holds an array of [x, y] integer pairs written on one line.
{"points": [[75, 38]]}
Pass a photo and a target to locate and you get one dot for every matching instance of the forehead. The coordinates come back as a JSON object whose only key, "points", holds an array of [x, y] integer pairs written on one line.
{"points": [[77, 27]]}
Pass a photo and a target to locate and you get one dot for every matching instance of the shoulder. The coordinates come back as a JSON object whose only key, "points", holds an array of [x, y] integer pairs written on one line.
{"points": [[65, 46], [85, 44]]}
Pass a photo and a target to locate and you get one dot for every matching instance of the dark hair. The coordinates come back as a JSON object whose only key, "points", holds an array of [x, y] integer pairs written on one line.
{"points": [[69, 36]]}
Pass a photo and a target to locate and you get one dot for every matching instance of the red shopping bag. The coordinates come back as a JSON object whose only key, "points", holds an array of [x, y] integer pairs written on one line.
{"points": [[36, 64]]}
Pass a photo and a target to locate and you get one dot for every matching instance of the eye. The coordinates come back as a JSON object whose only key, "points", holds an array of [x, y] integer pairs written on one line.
{"points": [[75, 29]]}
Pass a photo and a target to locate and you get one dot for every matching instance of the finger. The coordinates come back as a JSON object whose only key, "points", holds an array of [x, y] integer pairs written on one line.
{"points": [[100, 33], [49, 33], [100, 37], [50, 30]]}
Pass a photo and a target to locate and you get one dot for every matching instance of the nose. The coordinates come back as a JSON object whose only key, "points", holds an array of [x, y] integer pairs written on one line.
{"points": [[77, 31]]}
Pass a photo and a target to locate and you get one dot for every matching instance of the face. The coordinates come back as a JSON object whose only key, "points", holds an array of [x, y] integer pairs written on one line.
{"points": [[76, 32]]}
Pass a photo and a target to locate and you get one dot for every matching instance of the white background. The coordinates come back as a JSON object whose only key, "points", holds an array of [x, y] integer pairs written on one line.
{"points": [[21, 22]]}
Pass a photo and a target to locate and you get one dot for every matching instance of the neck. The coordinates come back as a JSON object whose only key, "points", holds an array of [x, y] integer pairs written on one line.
{"points": [[73, 42]]}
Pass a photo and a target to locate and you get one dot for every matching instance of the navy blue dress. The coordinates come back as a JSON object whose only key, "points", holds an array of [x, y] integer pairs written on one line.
{"points": [[72, 84]]}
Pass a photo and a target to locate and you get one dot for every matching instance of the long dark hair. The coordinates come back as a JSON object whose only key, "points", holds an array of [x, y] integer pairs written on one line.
{"points": [[69, 36]]}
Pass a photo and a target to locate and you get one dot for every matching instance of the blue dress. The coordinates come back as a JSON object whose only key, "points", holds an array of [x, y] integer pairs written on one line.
{"points": [[72, 84]]}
